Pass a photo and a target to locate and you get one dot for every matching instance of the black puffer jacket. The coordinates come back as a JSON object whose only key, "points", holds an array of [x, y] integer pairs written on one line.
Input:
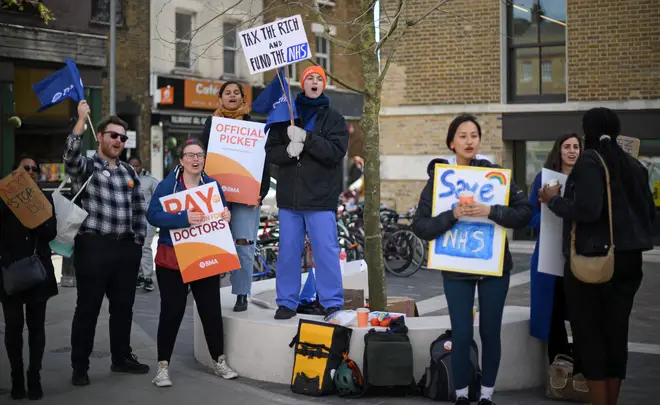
{"points": [[313, 182], [514, 216], [585, 201], [265, 177]]}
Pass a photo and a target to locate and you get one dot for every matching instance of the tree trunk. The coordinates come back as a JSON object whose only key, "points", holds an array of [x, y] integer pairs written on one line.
{"points": [[369, 124]]}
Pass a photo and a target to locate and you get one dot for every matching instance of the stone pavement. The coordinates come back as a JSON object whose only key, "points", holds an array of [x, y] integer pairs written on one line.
{"points": [[193, 381]]}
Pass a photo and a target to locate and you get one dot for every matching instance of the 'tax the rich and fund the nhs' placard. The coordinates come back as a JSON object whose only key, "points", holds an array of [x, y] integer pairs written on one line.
{"points": [[275, 44], [475, 245]]}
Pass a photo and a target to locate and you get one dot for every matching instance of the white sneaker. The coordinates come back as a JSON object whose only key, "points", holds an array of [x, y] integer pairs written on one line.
{"points": [[163, 377], [221, 369]]}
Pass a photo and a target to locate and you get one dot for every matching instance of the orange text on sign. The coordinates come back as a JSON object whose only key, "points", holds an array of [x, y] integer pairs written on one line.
{"points": [[199, 230], [174, 205], [239, 135]]}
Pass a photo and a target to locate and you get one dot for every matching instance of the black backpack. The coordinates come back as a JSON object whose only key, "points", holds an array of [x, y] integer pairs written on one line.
{"points": [[388, 362], [438, 382]]}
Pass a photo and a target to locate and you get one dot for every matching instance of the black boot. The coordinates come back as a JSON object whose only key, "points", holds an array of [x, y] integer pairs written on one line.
{"points": [[17, 384], [241, 303], [34, 385]]}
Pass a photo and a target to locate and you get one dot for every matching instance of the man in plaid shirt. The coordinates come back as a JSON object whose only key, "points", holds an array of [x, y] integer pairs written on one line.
{"points": [[108, 247]]}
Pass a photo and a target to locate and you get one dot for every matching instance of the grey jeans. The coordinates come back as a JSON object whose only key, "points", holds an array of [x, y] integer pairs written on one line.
{"points": [[147, 262]]}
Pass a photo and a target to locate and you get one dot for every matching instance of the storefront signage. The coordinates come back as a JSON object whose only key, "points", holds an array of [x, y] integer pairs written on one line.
{"points": [[191, 94], [201, 94], [187, 120]]}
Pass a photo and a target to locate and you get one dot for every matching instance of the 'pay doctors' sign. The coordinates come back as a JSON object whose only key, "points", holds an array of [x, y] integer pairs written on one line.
{"points": [[276, 44]]}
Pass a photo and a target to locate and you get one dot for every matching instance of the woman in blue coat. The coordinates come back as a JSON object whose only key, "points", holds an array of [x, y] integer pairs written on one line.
{"points": [[548, 307]]}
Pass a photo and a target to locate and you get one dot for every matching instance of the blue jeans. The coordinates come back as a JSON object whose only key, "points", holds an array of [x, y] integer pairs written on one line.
{"points": [[322, 229], [244, 225], [460, 301]]}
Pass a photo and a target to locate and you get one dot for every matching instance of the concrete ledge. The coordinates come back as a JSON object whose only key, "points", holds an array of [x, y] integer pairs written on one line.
{"points": [[257, 346]]}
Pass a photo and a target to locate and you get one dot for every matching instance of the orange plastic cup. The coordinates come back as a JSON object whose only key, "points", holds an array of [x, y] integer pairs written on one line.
{"points": [[362, 317], [466, 197]]}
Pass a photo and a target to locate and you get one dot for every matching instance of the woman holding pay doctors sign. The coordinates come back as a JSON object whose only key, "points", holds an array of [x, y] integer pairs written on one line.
{"points": [[245, 221], [173, 291], [463, 138]]}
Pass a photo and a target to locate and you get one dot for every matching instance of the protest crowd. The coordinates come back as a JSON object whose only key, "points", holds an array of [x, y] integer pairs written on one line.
{"points": [[206, 217]]}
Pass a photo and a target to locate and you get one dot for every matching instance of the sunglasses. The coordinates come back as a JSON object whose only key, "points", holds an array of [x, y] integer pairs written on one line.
{"points": [[34, 169], [114, 135]]}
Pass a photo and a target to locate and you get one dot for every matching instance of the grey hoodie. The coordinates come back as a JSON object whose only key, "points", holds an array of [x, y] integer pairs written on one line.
{"points": [[148, 183]]}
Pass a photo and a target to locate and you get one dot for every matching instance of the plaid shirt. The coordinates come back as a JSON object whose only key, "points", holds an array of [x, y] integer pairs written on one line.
{"points": [[113, 197]]}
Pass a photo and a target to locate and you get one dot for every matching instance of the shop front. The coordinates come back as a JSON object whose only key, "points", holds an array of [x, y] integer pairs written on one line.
{"points": [[181, 107], [532, 135]]}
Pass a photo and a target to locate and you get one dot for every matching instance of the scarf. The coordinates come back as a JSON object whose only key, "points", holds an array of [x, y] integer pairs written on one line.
{"points": [[237, 114], [308, 109]]}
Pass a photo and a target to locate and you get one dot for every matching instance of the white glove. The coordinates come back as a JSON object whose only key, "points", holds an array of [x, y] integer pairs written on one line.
{"points": [[294, 148], [296, 134]]}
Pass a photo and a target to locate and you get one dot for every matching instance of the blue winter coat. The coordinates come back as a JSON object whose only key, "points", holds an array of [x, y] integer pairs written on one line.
{"points": [[158, 217], [542, 290]]}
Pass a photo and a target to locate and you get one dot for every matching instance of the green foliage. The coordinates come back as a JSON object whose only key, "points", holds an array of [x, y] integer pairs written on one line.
{"points": [[20, 5]]}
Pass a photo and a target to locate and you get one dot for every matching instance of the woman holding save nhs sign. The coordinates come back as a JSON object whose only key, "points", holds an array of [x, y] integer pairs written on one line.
{"points": [[463, 138], [173, 290]]}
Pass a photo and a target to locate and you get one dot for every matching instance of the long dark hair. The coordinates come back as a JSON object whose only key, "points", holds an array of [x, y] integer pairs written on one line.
{"points": [[23, 157], [453, 127], [553, 161]]}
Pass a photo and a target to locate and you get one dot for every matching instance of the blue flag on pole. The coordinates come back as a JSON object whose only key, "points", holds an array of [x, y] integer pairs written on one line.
{"points": [[63, 84], [273, 101]]}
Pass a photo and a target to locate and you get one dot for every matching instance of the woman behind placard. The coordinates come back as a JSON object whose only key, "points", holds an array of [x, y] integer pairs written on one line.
{"points": [[547, 299], [173, 291], [245, 218], [464, 138], [599, 313], [18, 242]]}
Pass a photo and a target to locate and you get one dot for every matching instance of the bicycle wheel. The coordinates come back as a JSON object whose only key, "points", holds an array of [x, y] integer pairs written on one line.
{"points": [[403, 253]]}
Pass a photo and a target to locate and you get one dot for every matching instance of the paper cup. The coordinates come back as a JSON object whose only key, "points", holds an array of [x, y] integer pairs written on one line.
{"points": [[466, 197], [362, 317]]}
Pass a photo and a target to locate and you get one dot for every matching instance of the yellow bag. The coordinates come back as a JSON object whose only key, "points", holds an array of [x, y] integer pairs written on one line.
{"points": [[319, 349]]}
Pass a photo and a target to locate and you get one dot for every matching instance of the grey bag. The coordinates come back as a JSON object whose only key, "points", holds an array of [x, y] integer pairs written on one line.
{"points": [[23, 274]]}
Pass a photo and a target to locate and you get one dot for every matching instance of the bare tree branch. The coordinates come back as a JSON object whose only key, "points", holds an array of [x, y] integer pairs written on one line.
{"points": [[316, 11], [428, 13], [338, 80], [393, 25]]}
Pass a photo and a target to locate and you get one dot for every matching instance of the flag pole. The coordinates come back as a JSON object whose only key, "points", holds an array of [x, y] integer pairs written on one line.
{"points": [[288, 97], [113, 54]]}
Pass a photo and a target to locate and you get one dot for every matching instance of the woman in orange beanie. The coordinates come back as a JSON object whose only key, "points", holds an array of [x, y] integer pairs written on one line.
{"points": [[309, 155]]}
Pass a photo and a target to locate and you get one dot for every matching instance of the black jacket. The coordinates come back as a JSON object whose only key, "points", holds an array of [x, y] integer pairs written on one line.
{"points": [[314, 181], [18, 242], [516, 215], [265, 177], [585, 201]]}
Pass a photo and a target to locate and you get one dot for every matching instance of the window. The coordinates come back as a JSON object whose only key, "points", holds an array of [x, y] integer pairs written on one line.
{"points": [[537, 51], [291, 72], [230, 48], [323, 53], [183, 34], [101, 12]]}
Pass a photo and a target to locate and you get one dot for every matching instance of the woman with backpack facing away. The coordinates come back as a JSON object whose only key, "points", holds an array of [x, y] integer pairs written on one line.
{"points": [[600, 312], [245, 218], [463, 138], [547, 299], [173, 291]]}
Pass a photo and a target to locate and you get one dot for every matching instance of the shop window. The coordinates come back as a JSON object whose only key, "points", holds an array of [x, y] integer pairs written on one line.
{"points": [[183, 39], [230, 48], [291, 72], [323, 53], [101, 12], [537, 51]]}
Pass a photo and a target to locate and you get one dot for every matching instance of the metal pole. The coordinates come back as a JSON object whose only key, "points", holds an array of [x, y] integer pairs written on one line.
{"points": [[113, 53]]}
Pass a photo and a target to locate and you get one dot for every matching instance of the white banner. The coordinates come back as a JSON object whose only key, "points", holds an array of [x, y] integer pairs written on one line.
{"points": [[551, 257], [275, 44]]}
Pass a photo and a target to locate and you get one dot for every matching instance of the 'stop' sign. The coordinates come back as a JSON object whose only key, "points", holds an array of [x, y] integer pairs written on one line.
{"points": [[270, 46]]}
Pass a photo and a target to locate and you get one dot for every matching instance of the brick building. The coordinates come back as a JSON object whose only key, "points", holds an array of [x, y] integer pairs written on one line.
{"points": [[528, 69], [31, 50]]}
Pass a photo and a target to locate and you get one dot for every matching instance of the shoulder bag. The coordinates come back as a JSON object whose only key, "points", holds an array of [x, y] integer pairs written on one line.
{"points": [[595, 269], [69, 219], [24, 274]]}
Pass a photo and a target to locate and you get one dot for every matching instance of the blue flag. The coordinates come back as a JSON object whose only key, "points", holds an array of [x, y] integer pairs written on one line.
{"points": [[63, 84], [273, 101]]}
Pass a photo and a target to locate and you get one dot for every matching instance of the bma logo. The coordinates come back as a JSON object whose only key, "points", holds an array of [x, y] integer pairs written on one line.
{"points": [[206, 263], [231, 189], [62, 93]]}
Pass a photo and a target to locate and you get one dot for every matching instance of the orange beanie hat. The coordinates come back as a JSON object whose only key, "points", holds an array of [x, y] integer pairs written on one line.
{"points": [[311, 70]]}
